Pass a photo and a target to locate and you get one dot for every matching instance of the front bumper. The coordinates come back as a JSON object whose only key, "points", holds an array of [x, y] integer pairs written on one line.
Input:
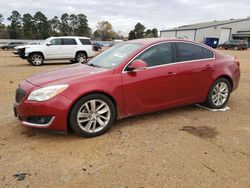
{"points": [[51, 114]]}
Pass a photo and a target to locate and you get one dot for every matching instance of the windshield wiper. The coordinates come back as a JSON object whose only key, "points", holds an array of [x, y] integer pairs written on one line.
{"points": [[93, 65]]}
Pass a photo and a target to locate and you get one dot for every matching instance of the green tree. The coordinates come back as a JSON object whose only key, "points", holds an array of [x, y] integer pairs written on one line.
{"points": [[15, 27], [1, 19], [65, 28], [3, 29], [42, 25], [54, 26], [155, 32], [29, 27], [148, 32], [73, 23], [82, 28], [97, 35], [131, 35], [139, 30]]}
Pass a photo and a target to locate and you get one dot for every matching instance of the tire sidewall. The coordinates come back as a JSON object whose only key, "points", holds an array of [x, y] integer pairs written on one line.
{"points": [[77, 54], [209, 101], [74, 110]]}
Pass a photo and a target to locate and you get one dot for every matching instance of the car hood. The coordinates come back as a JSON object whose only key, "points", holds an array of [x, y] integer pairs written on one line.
{"points": [[24, 46], [67, 75]]}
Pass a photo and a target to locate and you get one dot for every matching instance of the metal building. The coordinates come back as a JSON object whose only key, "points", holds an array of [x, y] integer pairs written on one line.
{"points": [[222, 30]]}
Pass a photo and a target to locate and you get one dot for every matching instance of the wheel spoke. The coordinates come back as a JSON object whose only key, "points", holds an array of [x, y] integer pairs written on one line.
{"points": [[83, 120], [103, 117], [88, 126], [100, 106], [101, 123], [93, 105], [215, 99], [94, 126], [218, 101], [82, 114], [87, 107], [104, 110], [223, 87]]}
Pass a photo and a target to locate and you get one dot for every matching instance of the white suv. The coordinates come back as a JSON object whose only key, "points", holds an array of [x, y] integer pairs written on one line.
{"points": [[75, 49]]}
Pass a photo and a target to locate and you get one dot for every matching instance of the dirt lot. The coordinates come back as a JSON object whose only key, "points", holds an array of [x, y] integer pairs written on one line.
{"points": [[184, 147]]}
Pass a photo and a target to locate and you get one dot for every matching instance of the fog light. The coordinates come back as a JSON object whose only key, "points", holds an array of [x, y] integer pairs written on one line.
{"points": [[42, 120]]}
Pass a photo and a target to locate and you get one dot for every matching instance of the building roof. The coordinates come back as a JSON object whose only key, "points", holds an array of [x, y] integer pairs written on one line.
{"points": [[244, 31], [206, 24]]}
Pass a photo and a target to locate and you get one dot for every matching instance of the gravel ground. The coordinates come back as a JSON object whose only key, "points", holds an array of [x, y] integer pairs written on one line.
{"points": [[183, 147]]}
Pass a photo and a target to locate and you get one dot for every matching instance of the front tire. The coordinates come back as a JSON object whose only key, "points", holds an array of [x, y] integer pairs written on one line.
{"points": [[219, 94], [36, 59], [92, 115], [236, 48]]}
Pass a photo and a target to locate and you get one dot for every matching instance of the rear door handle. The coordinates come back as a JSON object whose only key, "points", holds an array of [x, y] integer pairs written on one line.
{"points": [[209, 67], [171, 73]]}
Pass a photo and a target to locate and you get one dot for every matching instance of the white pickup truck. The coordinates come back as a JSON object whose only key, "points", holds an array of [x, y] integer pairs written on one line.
{"points": [[75, 49]]}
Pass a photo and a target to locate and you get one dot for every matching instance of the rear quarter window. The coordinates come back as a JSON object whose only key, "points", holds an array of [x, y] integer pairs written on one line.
{"points": [[85, 41], [207, 53]]}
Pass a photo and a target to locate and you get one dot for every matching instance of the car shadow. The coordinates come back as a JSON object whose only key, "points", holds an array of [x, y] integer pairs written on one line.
{"points": [[45, 64], [130, 121]]}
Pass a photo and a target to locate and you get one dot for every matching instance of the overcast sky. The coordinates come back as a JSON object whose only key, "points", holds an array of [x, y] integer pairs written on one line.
{"points": [[124, 14]]}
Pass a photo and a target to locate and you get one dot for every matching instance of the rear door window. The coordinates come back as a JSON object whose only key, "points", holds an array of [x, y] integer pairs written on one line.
{"points": [[69, 41], [85, 41], [188, 52]]}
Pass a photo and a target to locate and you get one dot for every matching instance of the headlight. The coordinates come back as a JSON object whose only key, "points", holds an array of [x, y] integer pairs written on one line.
{"points": [[46, 93]]}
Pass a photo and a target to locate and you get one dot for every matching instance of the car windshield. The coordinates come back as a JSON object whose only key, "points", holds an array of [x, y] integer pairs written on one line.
{"points": [[114, 56]]}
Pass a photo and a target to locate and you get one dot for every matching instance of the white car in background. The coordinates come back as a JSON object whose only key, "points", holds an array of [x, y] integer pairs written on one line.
{"points": [[75, 49], [16, 49]]}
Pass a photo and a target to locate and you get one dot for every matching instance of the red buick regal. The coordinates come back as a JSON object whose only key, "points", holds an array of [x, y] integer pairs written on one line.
{"points": [[131, 78]]}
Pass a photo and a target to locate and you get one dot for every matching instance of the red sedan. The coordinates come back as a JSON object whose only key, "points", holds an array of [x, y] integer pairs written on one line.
{"points": [[134, 77]]}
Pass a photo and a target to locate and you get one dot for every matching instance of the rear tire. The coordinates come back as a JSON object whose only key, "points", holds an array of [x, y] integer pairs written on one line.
{"points": [[219, 94], [36, 59], [81, 57], [92, 115]]}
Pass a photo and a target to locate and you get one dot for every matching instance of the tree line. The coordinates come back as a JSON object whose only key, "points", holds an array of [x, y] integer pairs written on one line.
{"points": [[38, 26], [140, 31]]}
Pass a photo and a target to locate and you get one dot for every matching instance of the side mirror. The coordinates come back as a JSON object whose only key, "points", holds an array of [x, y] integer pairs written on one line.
{"points": [[137, 64], [49, 44]]}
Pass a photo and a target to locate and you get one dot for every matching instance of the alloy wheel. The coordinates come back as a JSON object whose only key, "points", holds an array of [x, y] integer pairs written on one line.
{"points": [[37, 59], [93, 116], [220, 93], [81, 58]]}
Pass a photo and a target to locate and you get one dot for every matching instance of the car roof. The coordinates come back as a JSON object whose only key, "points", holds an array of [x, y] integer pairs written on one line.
{"points": [[71, 37], [151, 41]]}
